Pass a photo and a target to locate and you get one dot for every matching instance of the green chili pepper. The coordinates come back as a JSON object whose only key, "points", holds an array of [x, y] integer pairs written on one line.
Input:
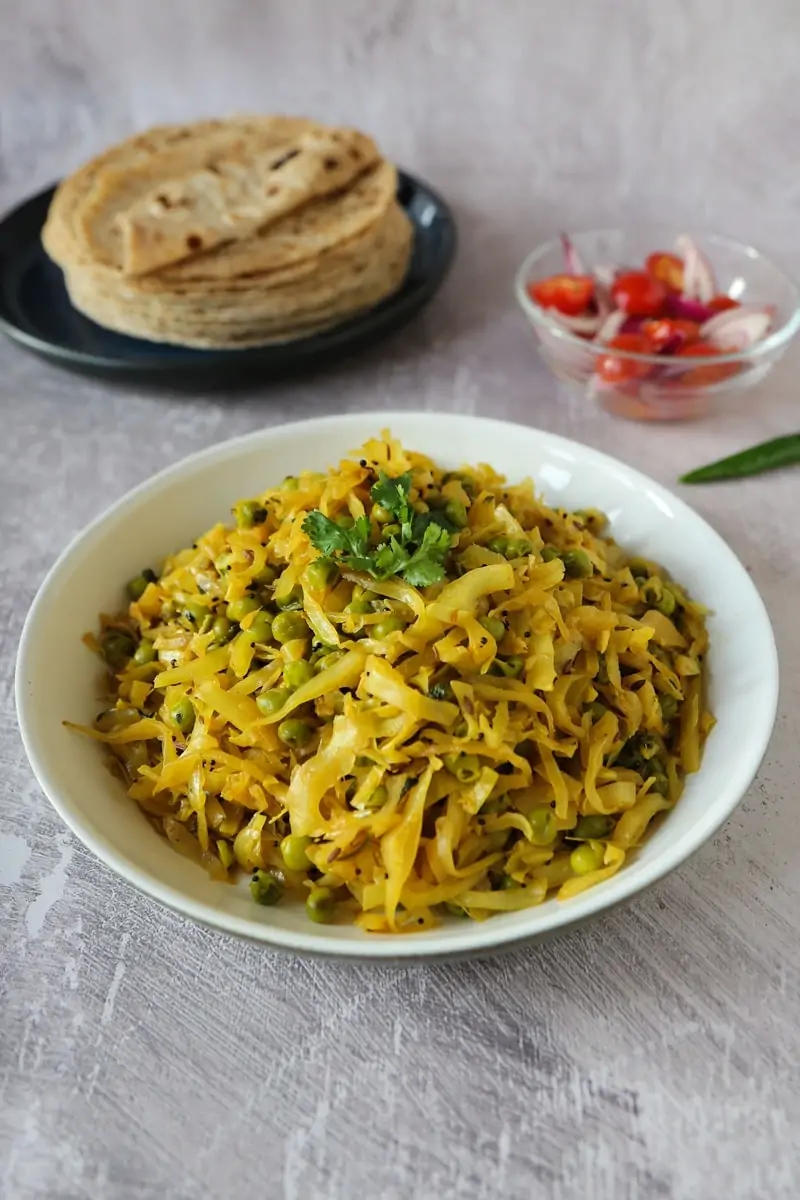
{"points": [[767, 456]]}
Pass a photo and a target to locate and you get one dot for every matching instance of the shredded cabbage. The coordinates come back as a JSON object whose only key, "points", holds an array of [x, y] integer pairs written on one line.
{"points": [[434, 744]]}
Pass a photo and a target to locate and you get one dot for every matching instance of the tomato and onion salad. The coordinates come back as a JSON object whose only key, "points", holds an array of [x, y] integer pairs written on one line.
{"points": [[670, 308]]}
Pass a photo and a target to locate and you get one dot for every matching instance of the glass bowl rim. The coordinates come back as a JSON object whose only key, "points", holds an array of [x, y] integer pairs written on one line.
{"points": [[538, 316]]}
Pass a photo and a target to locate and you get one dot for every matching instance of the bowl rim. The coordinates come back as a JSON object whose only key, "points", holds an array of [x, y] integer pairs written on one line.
{"points": [[539, 316], [487, 936]]}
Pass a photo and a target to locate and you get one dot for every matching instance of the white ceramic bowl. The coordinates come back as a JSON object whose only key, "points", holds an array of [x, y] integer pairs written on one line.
{"points": [[57, 676]]}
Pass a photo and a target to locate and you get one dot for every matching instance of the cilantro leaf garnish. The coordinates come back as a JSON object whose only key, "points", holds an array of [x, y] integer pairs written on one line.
{"points": [[426, 565], [392, 493], [417, 553], [351, 545]]}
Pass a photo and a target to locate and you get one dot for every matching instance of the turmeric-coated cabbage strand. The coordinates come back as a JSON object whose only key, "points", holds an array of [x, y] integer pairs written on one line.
{"points": [[402, 694]]}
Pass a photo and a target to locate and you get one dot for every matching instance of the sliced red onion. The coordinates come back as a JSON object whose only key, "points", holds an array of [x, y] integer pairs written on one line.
{"points": [[582, 326], [687, 310], [611, 326], [738, 328], [605, 274], [571, 256], [633, 324], [698, 277]]}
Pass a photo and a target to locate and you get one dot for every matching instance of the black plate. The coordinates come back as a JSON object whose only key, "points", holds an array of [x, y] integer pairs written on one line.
{"points": [[36, 312]]}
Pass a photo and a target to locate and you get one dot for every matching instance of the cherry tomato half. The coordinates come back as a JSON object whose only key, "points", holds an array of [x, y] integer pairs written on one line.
{"points": [[720, 304], [663, 331], [712, 373], [568, 294], [667, 269], [638, 294], [614, 369]]}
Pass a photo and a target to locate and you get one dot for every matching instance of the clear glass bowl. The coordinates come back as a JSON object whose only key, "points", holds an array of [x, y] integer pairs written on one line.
{"points": [[664, 388]]}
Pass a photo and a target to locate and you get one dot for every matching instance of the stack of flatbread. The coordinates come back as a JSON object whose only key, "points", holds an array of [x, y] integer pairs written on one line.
{"points": [[230, 233]]}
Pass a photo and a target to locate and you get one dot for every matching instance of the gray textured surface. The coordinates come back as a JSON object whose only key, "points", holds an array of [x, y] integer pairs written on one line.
{"points": [[653, 1055]]}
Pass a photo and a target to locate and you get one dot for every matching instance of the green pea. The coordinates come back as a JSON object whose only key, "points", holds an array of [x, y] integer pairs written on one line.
{"points": [[518, 548], [549, 553], [506, 883], [667, 604], [498, 545], [586, 858], [495, 627], [456, 513], [293, 852], [466, 481], [543, 825], [577, 564], [222, 630], [359, 606], [510, 667], [326, 658], [592, 826], [194, 612], [145, 653], [237, 610], [294, 732], [260, 630], [596, 710], [345, 521], [295, 674], [290, 484], [117, 647], [289, 626], [182, 715], [378, 798], [249, 513], [388, 625], [381, 514], [265, 576], [272, 701], [138, 585], [321, 905], [669, 706], [465, 767], [320, 574], [286, 599], [653, 592], [265, 887], [639, 568]]}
